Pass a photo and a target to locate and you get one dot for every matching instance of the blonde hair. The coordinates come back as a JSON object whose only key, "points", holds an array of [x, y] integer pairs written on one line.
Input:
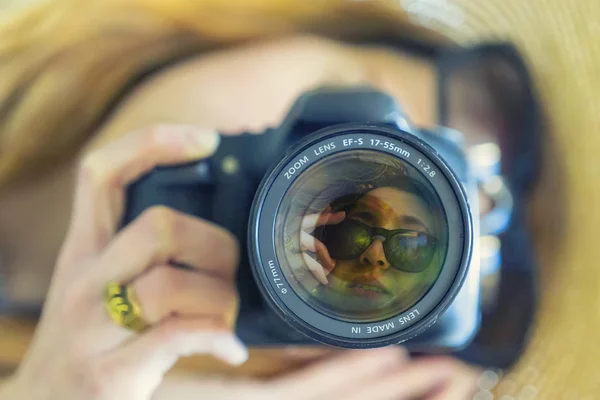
{"points": [[64, 64]]}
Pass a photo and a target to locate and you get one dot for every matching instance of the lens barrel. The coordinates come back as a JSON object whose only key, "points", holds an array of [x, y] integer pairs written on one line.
{"points": [[393, 213]]}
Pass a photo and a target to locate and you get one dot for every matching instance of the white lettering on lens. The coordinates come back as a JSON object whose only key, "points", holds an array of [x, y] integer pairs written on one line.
{"points": [[273, 270], [390, 146], [395, 149], [325, 148], [380, 328], [350, 142], [276, 278], [356, 329], [294, 168], [409, 317]]}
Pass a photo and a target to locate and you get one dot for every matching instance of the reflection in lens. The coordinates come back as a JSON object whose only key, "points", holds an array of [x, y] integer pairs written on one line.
{"points": [[361, 236]]}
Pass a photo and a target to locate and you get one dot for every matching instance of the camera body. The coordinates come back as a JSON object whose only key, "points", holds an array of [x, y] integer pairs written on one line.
{"points": [[229, 189]]}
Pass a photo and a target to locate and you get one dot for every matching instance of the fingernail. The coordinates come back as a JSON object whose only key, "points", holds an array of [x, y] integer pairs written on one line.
{"points": [[230, 349], [202, 142], [320, 275]]}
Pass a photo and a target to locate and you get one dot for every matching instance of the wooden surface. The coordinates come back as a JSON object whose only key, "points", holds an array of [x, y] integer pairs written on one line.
{"points": [[560, 41]]}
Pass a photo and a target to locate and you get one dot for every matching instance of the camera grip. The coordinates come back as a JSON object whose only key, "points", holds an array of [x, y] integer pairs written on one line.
{"points": [[188, 188]]}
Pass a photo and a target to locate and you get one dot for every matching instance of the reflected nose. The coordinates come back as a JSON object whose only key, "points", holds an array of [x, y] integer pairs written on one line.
{"points": [[374, 256]]}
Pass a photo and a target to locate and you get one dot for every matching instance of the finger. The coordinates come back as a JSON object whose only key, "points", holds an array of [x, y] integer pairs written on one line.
{"points": [[197, 386], [458, 389], [331, 218], [315, 268], [164, 291], [311, 221], [316, 246], [104, 173], [145, 358], [308, 353], [462, 383], [324, 256], [416, 379], [164, 236], [182, 337], [332, 376]]}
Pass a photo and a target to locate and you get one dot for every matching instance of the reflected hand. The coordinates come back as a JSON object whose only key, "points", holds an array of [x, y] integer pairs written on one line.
{"points": [[325, 263]]}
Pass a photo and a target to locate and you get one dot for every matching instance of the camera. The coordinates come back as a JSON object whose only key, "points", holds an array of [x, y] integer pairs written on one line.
{"points": [[361, 230]]}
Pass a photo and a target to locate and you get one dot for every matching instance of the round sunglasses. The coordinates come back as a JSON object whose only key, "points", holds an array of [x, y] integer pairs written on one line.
{"points": [[406, 250]]}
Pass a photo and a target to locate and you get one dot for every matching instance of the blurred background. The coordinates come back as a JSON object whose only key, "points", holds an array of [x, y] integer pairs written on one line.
{"points": [[11, 4]]}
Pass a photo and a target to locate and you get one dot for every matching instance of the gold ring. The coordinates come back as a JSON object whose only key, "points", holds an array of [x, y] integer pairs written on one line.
{"points": [[123, 308]]}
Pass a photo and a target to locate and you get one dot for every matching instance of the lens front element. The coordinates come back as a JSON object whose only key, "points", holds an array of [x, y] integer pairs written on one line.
{"points": [[361, 236]]}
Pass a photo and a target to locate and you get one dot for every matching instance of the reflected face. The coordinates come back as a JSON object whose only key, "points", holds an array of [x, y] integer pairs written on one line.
{"points": [[361, 256], [372, 279]]}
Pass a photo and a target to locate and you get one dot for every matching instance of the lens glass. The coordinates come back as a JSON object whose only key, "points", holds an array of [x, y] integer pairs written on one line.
{"points": [[361, 236]]}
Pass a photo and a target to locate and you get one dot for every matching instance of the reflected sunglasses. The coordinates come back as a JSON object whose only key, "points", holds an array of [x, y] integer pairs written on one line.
{"points": [[406, 250]]}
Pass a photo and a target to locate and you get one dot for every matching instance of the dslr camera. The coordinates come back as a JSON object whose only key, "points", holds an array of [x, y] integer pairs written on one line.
{"points": [[361, 230]]}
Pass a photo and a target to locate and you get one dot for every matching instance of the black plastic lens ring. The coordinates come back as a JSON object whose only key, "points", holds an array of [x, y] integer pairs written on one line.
{"points": [[268, 272]]}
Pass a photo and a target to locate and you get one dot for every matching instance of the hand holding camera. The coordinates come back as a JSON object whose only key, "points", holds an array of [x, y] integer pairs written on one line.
{"points": [[397, 264], [79, 352], [367, 208], [184, 311]]}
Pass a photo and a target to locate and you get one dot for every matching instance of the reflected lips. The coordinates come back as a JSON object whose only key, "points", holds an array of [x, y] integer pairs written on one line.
{"points": [[372, 289]]}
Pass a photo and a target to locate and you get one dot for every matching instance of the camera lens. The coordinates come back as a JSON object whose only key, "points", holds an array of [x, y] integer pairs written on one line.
{"points": [[361, 236]]}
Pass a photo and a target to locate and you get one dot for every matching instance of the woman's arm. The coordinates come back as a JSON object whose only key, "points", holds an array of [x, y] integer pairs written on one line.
{"points": [[250, 88]]}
